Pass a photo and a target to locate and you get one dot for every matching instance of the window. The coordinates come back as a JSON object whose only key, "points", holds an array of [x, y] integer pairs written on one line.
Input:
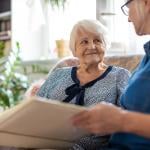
{"points": [[122, 34], [36, 26], [39, 26], [61, 22]]}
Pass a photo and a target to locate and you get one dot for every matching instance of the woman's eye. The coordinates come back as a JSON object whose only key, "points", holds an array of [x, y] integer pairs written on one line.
{"points": [[97, 41], [84, 42]]}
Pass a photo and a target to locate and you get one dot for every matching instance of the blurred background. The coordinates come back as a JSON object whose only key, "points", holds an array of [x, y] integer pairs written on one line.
{"points": [[42, 29], [34, 36]]}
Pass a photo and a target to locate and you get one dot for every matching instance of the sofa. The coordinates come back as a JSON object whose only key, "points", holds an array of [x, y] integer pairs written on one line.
{"points": [[130, 62]]}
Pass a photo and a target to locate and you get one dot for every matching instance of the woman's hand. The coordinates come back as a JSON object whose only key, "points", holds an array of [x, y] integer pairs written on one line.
{"points": [[34, 88], [103, 119]]}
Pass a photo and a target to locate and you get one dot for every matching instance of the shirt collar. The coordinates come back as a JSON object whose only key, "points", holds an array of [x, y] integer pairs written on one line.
{"points": [[147, 48]]}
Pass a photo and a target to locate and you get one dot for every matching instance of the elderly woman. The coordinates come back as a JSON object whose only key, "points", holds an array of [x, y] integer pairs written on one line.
{"points": [[92, 81]]}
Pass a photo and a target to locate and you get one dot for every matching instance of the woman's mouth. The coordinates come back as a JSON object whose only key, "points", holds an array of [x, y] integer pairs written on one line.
{"points": [[91, 53]]}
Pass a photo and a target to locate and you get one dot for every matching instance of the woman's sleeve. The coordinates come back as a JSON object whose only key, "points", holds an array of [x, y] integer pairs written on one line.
{"points": [[122, 81], [44, 89]]}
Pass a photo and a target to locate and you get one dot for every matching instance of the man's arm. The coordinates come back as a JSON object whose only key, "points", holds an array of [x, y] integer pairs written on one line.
{"points": [[136, 123], [106, 119]]}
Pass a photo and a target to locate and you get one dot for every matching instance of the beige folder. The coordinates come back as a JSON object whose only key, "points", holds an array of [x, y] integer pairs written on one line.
{"points": [[39, 123]]}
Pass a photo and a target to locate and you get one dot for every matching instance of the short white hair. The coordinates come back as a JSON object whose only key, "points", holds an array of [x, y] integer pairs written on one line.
{"points": [[92, 26]]}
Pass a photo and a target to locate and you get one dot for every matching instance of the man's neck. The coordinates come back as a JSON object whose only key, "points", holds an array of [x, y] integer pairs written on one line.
{"points": [[147, 28]]}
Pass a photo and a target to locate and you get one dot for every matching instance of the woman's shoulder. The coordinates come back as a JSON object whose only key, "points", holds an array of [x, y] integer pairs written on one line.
{"points": [[120, 72], [118, 69], [61, 71]]}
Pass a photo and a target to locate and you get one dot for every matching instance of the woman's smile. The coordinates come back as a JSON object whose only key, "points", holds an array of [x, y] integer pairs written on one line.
{"points": [[91, 53]]}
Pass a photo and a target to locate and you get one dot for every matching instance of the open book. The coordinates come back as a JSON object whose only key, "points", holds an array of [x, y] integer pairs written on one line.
{"points": [[39, 123]]}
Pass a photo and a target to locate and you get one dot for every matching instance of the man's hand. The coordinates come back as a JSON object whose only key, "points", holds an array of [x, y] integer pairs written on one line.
{"points": [[103, 119]]}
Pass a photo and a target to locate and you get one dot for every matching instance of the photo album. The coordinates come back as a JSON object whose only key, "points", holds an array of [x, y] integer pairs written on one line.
{"points": [[40, 123]]}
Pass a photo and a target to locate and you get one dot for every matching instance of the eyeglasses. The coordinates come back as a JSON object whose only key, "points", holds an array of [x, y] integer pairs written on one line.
{"points": [[125, 8]]}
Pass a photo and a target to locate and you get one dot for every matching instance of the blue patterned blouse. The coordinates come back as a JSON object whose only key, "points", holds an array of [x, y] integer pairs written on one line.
{"points": [[63, 85]]}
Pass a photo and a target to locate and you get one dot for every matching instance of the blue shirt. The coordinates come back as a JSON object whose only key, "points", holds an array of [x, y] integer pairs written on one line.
{"points": [[136, 98]]}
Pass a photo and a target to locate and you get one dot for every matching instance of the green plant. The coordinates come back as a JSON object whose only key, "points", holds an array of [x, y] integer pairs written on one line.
{"points": [[2, 46], [57, 3], [12, 83]]}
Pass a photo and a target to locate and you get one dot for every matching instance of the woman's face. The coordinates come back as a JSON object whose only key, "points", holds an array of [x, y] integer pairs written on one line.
{"points": [[89, 48]]}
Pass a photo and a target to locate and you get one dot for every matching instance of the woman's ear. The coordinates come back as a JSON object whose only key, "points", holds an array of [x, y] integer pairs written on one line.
{"points": [[74, 53]]}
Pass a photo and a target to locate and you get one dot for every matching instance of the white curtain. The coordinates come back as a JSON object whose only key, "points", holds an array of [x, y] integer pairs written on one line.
{"points": [[36, 14], [30, 28], [61, 22]]}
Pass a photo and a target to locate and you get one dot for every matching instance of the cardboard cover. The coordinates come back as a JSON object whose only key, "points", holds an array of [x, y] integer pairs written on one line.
{"points": [[39, 123]]}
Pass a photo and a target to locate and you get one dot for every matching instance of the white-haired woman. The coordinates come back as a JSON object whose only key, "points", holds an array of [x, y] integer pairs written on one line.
{"points": [[92, 81]]}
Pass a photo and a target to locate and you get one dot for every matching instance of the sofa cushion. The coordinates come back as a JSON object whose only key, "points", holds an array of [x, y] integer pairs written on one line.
{"points": [[129, 62]]}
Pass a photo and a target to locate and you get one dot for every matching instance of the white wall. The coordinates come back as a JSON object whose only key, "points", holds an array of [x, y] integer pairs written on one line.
{"points": [[37, 39]]}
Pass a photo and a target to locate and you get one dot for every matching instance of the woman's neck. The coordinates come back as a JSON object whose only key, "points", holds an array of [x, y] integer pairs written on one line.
{"points": [[87, 73], [92, 68]]}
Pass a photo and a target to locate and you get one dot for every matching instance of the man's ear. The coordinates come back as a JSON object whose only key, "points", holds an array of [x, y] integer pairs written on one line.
{"points": [[147, 4]]}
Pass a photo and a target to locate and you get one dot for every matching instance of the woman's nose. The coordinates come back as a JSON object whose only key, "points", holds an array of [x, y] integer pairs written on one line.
{"points": [[92, 45]]}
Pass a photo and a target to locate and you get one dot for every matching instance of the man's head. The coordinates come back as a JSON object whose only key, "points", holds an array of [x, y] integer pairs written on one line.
{"points": [[138, 12]]}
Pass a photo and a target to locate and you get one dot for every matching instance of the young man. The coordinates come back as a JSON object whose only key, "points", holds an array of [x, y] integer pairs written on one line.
{"points": [[130, 125]]}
